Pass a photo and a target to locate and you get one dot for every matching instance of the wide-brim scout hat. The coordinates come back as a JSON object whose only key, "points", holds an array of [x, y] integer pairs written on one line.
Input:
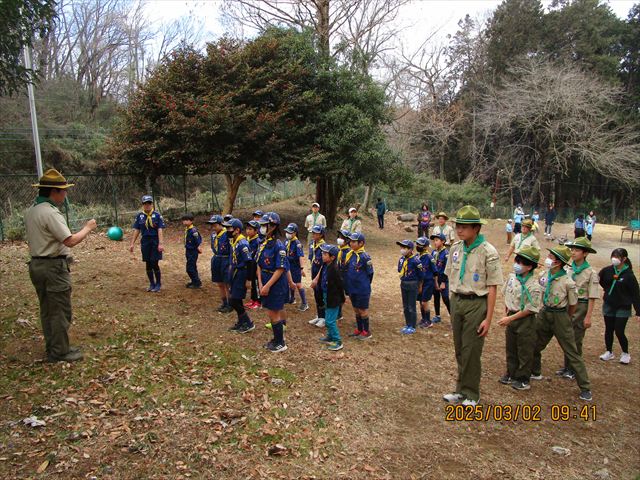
{"points": [[469, 215], [423, 241], [330, 249], [562, 252], [530, 253], [53, 179], [582, 243], [443, 215], [527, 223], [406, 243]]}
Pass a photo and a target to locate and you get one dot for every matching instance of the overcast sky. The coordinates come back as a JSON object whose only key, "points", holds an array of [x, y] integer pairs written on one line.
{"points": [[417, 19]]}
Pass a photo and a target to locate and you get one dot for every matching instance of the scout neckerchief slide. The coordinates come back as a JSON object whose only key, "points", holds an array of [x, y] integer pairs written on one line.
{"points": [[466, 250], [616, 276], [577, 270], [524, 291], [550, 279], [149, 220]]}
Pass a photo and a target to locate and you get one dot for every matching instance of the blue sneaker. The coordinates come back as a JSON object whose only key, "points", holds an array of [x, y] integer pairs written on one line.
{"points": [[408, 330], [151, 287], [436, 319], [156, 288]]}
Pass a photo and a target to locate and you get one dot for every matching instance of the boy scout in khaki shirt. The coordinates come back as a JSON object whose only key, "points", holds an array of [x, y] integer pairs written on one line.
{"points": [[474, 274], [586, 280], [559, 303], [523, 299], [526, 238], [443, 228]]}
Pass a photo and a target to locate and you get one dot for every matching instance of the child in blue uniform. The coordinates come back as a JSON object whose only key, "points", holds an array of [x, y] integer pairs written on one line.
{"points": [[192, 241], [410, 272], [358, 278], [425, 291], [220, 261], [343, 250], [295, 254], [240, 262], [441, 291], [272, 276], [251, 232], [333, 294], [149, 226], [315, 257]]}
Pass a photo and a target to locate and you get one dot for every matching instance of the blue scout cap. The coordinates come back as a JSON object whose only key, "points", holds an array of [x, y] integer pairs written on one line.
{"points": [[330, 249], [258, 212], [233, 223], [228, 217], [254, 224], [147, 199], [422, 242], [291, 228], [406, 243], [318, 229], [441, 236], [215, 219], [356, 237], [344, 233], [270, 217]]}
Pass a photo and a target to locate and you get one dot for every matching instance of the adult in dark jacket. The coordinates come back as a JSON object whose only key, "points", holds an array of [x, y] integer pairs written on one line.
{"points": [[621, 292], [330, 280], [549, 218]]}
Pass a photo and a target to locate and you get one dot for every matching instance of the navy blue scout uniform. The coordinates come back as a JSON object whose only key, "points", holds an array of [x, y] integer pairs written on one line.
{"points": [[221, 249], [240, 262], [148, 226], [272, 256], [440, 259], [254, 244], [410, 273], [315, 257], [192, 240], [294, 253], [428, 275], [358, 277]]}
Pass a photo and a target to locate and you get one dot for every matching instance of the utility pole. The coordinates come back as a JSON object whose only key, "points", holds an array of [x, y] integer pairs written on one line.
{"points": [[32, 107]]}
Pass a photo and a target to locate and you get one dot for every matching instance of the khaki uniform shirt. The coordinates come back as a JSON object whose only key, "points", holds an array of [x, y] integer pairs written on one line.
{"points": [[512, 292], [482, 270], [447, 230], [310, 221], [352, 226], [46, 230], [563, 291], [530, 241], [587, 283]]}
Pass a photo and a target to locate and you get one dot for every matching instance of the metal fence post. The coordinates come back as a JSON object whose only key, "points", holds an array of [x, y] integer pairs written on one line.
{"points": [[115, 198]]}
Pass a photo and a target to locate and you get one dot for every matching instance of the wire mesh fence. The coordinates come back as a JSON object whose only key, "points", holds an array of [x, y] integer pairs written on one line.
{"points": [[113, 199]]}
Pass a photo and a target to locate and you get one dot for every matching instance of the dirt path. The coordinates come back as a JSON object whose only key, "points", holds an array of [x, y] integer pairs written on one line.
{"points": [[373, 410]]}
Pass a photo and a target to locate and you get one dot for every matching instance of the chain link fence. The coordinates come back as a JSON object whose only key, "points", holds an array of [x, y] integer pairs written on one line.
{"points": [[114, 199]]}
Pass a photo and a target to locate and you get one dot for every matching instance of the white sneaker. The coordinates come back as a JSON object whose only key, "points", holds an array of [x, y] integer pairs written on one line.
{"points": [[625, 358], [320, 323], [536, 377], [453, 397], [606, 356], [469, 403], [313, 321]]}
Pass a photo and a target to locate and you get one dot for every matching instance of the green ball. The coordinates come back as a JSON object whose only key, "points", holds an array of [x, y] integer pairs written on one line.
{"points": [[115, 233]]}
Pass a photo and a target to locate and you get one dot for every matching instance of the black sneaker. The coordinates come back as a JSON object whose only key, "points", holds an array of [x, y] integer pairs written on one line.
{"points": [[235, 328], [226, 309], [221, 308], [194, 285], [505, 380], [569, 374], [561, 371], [277, 347], [586, 395], [246, 328], [518, 385]]}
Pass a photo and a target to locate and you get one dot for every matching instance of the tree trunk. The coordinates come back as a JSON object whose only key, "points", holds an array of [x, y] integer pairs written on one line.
{"points": [[369, 190], [233, 185], [323, 26]]}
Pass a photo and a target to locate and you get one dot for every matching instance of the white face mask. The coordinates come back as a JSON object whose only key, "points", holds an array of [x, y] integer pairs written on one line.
{"points": [[340, 241], [263, 229], [615, 261], [548, 262], [289, 236], [517, 269], [403, 252]]}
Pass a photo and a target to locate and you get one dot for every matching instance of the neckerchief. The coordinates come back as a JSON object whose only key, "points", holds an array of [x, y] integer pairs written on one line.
{"points": [[217, 239], [342, 258], [40, 199], [467, 250], [234, 242], [523, 238], [149, 220], [290, 242], [357, 252], [315, 217], [405, 266], [550, 279], [524, 291], [351, 222], [315, 246], [253, 238], [616, 275], [186, 231], [261, 249], [577, 270]]}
